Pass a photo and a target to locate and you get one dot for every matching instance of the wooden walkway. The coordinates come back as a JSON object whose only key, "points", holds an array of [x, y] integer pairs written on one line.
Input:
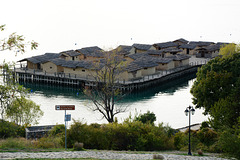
{"points": [[38, 76]]}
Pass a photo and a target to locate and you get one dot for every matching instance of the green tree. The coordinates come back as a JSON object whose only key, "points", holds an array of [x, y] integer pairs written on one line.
{"points": [[148, 117], [217, 88], [15, 42], [12, 92], [23, 111]]}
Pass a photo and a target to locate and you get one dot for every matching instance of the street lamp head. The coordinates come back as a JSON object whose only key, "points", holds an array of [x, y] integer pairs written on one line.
{"points": [[193, 111], [186, 112]]}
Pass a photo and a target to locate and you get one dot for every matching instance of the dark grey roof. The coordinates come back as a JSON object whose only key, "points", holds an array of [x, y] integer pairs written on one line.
{"points": [[154, 52], [144, 47], [138, 55], [140, 64], [222, 43], [145, 62], [94, 51], [71, 53], [179, 57], [42, 58], [145, 58], [133, 67], [163, 60], [73, 64], [165, 45], [171, 50], [188, 46], [211, 48], [201, 43], [181, 40], [123, 50]]}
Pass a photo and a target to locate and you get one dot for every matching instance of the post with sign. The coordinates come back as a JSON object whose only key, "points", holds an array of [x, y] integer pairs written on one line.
{"points": [[67, 117]]}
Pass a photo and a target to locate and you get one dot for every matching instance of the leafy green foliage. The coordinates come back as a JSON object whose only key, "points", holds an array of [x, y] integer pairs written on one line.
{"points": [[230, 142], [49, 142], [10, 90], [15, 42], [24, 112], [10, 129], [217, 89], [207, 136], [148, 117], [14, 105], [125, 136], [15, 143], [57, 130]]}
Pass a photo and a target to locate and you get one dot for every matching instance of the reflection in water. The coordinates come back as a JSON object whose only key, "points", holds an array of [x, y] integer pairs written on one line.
{"points": [[168, 88], [167, 101]]}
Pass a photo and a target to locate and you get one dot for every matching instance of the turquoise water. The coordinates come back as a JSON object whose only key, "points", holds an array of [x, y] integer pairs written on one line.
{"points": [[168, 101]]}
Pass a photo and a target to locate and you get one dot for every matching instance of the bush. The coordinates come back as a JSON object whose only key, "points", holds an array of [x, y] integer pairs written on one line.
{"points": [[148, 117], [78, 146], [230, 143], [49, 142], [10, 129], [207, 136], [15, 143], [125, 136], [58, 130]]}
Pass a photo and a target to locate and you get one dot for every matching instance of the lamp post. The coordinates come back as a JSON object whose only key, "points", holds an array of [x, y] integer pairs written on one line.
{"points": [[189, 110]]}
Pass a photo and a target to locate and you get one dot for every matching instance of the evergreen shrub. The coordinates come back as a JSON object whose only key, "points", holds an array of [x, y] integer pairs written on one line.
{"points": [[120, 136], [10, 129]]}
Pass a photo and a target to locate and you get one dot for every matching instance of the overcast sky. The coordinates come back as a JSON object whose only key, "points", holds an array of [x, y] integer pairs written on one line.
{"points": [[59, 25]]}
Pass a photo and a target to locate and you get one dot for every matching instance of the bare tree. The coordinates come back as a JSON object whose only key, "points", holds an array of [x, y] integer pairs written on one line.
{"points": [[105, 92]]}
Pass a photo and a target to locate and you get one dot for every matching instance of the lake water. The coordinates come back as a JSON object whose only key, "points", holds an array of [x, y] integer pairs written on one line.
{"points": [[168, 102]]}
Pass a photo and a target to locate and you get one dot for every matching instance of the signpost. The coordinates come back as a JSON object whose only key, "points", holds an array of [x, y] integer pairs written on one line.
{"points": [[67, 117]]}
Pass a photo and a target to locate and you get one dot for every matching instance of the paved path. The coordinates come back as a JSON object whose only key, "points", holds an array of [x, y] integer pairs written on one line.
{"points": [[100, 155]]}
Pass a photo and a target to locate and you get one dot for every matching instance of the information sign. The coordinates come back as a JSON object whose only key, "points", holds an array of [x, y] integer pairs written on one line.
{"points": [[68, 117], [64, 107]]}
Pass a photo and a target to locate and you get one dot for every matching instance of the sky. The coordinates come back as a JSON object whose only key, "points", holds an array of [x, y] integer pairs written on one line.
{"points": [[59, 25]]}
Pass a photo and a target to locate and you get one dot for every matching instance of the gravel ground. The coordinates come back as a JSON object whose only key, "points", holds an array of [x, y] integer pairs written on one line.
{"points": [[101, 155]]}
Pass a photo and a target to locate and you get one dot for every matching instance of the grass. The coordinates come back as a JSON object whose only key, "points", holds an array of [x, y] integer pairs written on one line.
{"points": [[59, 159], [23, 145]]}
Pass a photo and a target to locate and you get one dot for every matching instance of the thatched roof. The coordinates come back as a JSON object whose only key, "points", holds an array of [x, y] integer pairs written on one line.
{"points": [[179, 57], [94, 51], [181, 40], [154, 52], [41, 58], [201, 43], [144, 47], [71, 53], [171, 50], [138, 55], [73, 64], [165, 45], [123, 50], [188, 46]]}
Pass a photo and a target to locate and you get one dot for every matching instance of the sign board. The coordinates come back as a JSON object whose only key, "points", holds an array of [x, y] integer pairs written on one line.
{"points": [[68, 117], [64, 107]]}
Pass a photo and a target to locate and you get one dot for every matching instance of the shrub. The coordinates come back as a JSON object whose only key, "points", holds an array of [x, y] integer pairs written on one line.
{"points": [[10, 129], [148, 117], [230, 142], [207, 136], [15, 143], [78, 146], [125, 136], [49, 142], [58, 130]]}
